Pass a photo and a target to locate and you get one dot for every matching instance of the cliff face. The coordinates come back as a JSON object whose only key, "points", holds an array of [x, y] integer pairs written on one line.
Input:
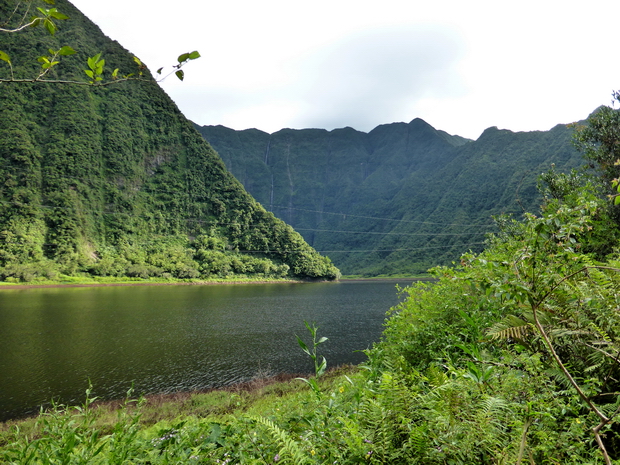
{"points": [[398, 199], [114, 180]]}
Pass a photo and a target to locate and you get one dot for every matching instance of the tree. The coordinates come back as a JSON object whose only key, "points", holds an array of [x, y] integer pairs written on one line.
{"points": [[599, 141]]}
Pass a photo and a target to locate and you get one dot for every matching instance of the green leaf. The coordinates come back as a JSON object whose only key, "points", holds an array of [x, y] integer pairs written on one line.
{"points": [[314, 385], [159, 70], [49, 2], [180, 74], [50, 26], [303, 345], [304, 380], [4, 57], [137, 60], [194, 55], [93, 62], [89, 73], [115, 73], [617, 200], [66, 50], [57, 14], [183, 57]]}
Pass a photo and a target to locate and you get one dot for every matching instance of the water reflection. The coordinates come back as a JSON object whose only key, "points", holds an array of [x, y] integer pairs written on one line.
{"points": [[171, 338]]}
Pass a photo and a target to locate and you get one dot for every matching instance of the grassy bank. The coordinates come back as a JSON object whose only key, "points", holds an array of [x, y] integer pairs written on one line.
{"points": [[200, 427], [124, 281]]}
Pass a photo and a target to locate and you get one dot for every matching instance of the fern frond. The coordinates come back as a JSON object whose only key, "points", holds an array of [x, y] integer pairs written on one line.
{"points": [[289, 449], [419, 439], [491, 405], [514, 332], [565, 332], [436, 376], [511, 327], [602, 334]]}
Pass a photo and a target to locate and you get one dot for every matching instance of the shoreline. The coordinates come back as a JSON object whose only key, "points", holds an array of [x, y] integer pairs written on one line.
{"points": [[196, 283], [143, 283], [155, 401]]}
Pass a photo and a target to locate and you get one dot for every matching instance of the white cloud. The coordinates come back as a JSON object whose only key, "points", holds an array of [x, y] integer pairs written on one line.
{"points": [[461, 66]]}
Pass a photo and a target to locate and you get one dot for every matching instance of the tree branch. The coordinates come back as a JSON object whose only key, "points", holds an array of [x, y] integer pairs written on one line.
{"points": [[31, 23], [603, 419], [61, 81]]}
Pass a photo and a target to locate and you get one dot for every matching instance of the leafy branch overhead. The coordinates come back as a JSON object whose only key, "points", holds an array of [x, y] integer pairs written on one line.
{"points": [[45, 17], [182, 60], [96, 64]]}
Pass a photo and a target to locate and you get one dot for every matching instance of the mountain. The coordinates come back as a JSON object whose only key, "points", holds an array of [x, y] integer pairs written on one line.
{"points": [[399, 199], [114, 180]]}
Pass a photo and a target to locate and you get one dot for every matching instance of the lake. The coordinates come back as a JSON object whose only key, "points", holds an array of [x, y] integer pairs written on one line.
{"points": [[163, 339]]}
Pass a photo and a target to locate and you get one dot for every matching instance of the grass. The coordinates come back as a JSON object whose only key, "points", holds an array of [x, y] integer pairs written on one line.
{"points": [[88, 280], [125, 281], [254, 396], [260, 421]]}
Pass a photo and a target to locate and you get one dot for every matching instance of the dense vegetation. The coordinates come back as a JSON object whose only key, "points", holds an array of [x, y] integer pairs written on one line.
{"points": [[396, 200], [510, 357], [112, 180]]}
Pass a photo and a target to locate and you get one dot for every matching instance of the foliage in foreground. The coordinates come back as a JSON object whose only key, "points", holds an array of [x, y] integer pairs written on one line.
{"points": [[510, 358]]}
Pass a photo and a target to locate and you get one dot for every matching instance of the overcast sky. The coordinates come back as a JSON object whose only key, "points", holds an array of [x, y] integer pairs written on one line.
{"points": [[462, 66]]}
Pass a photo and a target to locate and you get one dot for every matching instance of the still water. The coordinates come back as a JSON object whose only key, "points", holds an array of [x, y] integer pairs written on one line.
{"points": [[162, 339]]}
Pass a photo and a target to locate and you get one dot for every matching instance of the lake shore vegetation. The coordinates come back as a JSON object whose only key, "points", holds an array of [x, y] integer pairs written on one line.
{"points": [[96, 281], [511, 356]]}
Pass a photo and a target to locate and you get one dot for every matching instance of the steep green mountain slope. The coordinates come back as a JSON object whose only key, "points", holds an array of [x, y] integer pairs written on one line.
{"points": [[114, 180], [398, 199]]}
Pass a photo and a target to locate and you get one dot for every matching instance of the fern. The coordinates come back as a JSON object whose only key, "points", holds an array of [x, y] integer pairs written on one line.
{"points": [[493, 406], [435, 376], [289, 448], [419, 440], [511, 327], [602, 334]]}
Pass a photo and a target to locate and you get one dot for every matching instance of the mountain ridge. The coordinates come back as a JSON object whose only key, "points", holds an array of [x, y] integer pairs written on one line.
{"points": [[395, 173]]}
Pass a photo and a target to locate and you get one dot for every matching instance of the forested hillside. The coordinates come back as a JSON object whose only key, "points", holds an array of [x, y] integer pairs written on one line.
{"points": [[399, 199], [113, 179]]}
